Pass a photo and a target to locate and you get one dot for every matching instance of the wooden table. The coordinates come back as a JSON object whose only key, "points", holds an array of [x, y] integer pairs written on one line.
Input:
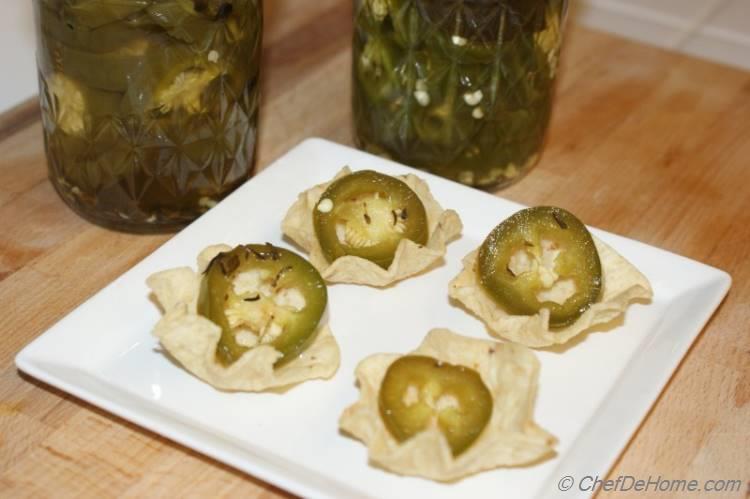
{"points": [[645, 143]]}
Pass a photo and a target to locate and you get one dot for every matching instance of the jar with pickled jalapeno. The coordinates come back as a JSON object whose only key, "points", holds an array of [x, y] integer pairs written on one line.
{"points": [[149, 107], [461, 88]]}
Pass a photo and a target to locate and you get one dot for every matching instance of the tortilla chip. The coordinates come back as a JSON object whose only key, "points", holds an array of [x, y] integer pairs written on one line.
{"points": [[622, 283], [511, 438], [410, 258], [192, 339]]}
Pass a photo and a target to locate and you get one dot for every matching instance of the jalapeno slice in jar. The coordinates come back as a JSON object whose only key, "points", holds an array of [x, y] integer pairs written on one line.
{"points": [[367, 214], [418, 391], [541, 257], [261, 294]]}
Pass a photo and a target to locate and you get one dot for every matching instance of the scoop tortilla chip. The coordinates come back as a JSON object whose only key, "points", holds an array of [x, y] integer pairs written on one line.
{"points": [[410, 258], [511, 437], [621, 284], [192, 339]]}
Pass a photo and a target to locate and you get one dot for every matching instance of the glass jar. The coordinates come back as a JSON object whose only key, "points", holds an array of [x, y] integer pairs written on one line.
{"points": [[149, 107], [461, 88]]}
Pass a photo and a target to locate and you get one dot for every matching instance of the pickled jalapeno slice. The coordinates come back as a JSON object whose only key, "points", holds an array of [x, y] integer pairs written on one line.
{"points": [[541, 258], [419, 391], [367, 214], [261, 294]]}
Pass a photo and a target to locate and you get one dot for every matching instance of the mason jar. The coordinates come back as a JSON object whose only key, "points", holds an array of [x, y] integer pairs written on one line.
{"points": [[461, 88], [149, 107]]}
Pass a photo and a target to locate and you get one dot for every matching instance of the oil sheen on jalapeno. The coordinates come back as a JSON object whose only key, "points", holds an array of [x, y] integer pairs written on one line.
{"points": [[261, 294], [541, 257], [367, 214], [418, 391]]}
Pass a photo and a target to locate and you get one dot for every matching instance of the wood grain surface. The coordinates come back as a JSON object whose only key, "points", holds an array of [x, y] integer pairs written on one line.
{"points": [[645, 143]]}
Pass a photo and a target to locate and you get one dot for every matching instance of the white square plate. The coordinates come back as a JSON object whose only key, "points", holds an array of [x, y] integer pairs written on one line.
{"points": [[592, 396]]}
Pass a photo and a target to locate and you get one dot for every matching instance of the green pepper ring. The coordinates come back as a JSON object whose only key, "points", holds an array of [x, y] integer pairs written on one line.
{"points": [[524, 231], [289, 270], [462, 422], [406, 209]]}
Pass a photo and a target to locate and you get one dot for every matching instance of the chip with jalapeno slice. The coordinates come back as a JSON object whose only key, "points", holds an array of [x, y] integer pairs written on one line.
{"points": [[419, 391], [541, 258], [261, 294], [367, 214]]}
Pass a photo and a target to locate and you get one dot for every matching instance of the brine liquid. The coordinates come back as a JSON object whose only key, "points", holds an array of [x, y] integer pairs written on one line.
{"points": [[149, 108], [459, 88]]}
